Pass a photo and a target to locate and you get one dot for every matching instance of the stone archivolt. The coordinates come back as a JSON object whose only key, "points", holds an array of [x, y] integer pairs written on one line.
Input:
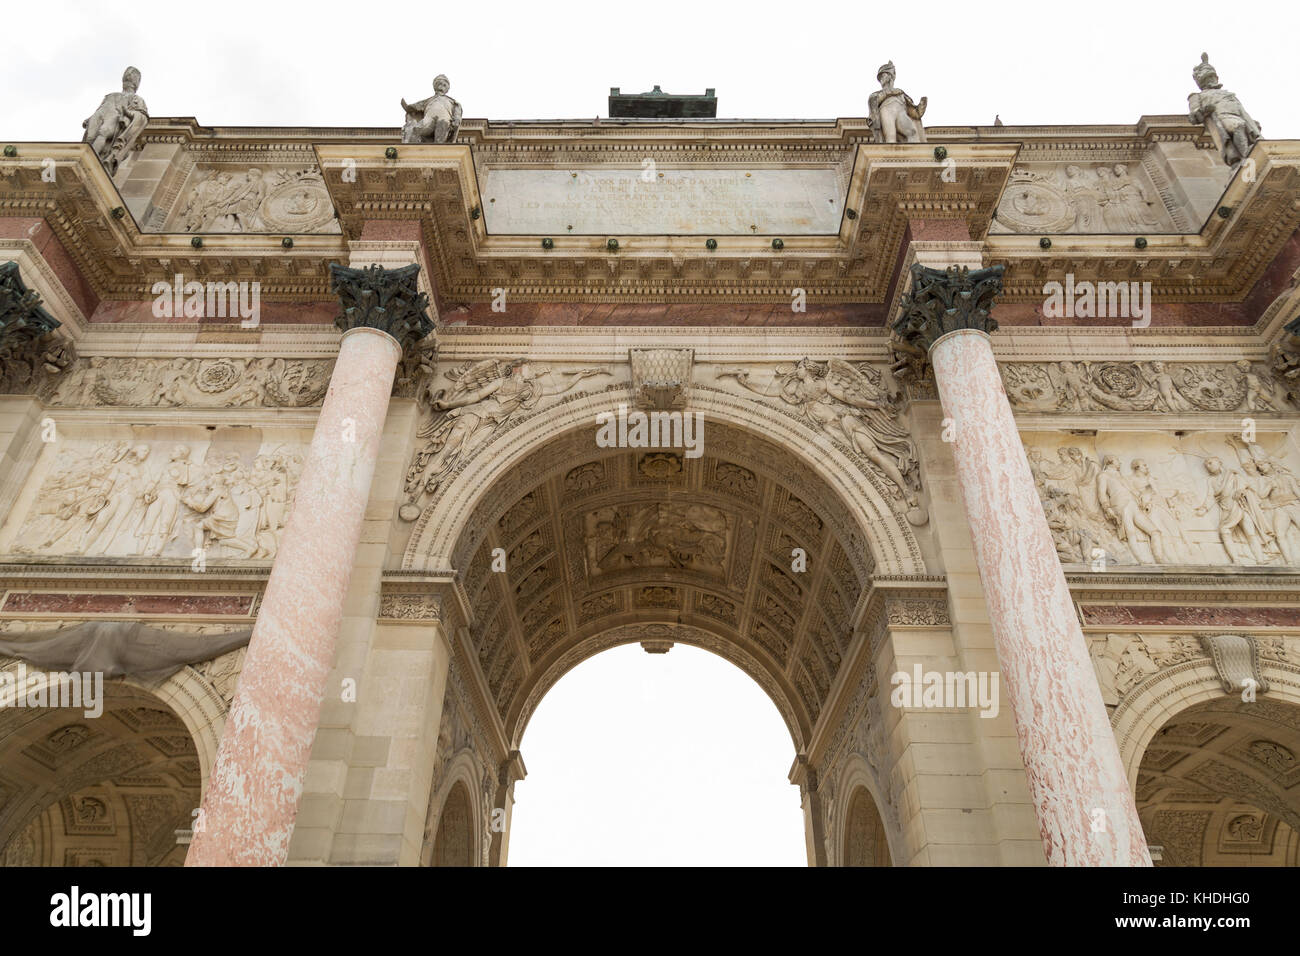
{"points": [[628, 536]]}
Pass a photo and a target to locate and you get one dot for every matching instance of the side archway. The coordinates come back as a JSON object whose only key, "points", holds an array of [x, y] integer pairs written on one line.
{"points": [[456, 822], [859, 836]]}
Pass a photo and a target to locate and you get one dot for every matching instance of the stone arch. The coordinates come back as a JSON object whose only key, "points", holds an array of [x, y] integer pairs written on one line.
{"points": [[1155, 701], [744, 544], [884, 531], [455, 822], [859, 835], [108, 790], [1216, 778]]}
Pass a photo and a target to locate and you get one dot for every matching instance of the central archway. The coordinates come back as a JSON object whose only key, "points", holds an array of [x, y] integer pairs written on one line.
{"points": [[760, 550]]}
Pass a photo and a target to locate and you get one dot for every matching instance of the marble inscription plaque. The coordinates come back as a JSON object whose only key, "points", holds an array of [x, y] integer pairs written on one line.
{"points": [[664, 201]]}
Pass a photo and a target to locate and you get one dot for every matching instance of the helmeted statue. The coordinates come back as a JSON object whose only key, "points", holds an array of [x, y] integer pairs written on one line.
{"points": [[113, 129], [432, 120], [1215, 105], [894, 117]]}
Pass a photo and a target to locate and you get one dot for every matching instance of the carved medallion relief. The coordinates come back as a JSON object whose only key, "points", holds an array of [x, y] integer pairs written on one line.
{"points": [[254, 199]]}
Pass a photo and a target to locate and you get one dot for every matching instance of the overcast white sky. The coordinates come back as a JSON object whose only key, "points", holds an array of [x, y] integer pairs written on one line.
{"points": [[633, 758], [340, 64]]}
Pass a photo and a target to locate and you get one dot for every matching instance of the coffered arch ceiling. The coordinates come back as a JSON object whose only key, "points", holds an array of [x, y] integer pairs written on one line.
{"points": [[106, 791], [619, 545], [1219, 785]]}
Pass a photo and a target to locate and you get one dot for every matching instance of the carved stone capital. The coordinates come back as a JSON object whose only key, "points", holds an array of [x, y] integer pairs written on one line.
{"points": [[23, 323], [943, 301], [385, 299]]}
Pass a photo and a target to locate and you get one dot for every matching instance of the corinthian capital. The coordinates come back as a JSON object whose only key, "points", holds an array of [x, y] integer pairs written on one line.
{"points": [[945, 300], [384, 299], [23, 323]]}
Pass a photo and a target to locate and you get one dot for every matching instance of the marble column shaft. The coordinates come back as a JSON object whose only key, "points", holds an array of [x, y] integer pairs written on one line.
{"points": [[252, 799], [1081, 794]]}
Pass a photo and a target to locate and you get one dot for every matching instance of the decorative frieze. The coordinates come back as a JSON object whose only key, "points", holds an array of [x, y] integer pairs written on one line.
{"points": [[194, 383], [226, 200], [1156, 386]]}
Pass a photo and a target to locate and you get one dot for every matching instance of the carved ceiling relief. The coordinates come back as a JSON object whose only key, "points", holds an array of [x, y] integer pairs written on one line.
{"points": [[1148, 386], [604, 537], [1155, 498], [1083, 197], [1220, 782], [221, 199], [228, 493]]}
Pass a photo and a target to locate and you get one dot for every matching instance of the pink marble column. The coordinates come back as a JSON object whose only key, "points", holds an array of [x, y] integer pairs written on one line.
{"points": [[248, 812], [1086, 812]]}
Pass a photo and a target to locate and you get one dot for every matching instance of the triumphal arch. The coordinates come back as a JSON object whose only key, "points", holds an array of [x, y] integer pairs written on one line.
{"points": [[325, 453]]}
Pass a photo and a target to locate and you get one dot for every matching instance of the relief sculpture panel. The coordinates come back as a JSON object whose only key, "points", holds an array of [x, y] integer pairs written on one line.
{"points": [[1082, 197], [147, 496], [253, 200], [1154, 498]]}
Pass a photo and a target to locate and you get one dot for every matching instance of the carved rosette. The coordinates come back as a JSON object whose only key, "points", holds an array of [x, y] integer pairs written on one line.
{"points": [[385, 299], [943, 301]]}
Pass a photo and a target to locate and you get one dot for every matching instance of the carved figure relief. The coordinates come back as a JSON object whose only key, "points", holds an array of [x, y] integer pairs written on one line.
{"points": [[1158, 500], [664, 535], [1080, 198], [854, 404], [158, 499], [250, 200], [482, 400]]}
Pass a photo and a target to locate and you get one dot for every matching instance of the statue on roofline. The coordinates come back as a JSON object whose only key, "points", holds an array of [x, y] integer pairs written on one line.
{"points": [[113, 129], [1215, 106], [432, 120], [894, 117]]}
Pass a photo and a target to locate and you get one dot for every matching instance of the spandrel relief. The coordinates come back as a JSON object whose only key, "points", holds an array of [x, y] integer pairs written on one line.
{"points": [[1133, 499], [144, 497], [470, 404], [856, 405]]}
